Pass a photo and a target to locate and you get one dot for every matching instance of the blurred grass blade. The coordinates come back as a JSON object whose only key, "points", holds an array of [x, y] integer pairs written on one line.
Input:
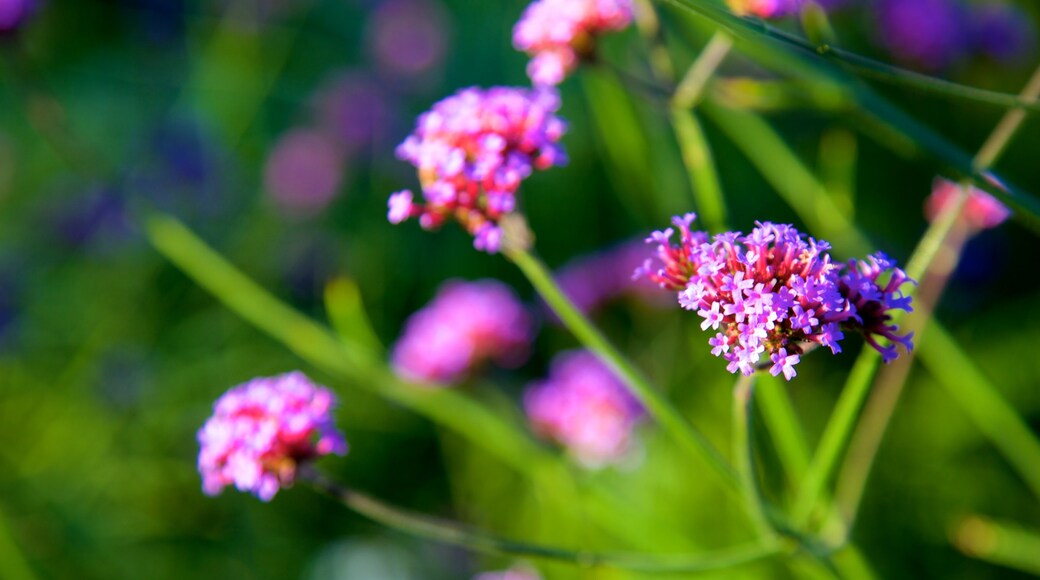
{"points": [[767, 151], [346, 313], [999, 543], [981, 401], [704, 180], [318, 346], [744, 453], [13, 565]]}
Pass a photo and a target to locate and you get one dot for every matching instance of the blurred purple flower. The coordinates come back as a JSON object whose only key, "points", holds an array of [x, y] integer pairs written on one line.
{"points": [[304, 172], [98, 215], [1003, 32], [408, 37], [466, 324], [928, 34], [593, 280], [353, 109], [765, 8], [514, 573], [584, 407], [262, 430], [13, 13]]}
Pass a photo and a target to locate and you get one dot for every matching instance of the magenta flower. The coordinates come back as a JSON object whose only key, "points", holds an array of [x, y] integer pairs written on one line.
{"points": [[927, 34], [262, 430], [982, 211], [765, 8], [304, 171], [514, 573], [14, 13], [585, 408], [593, 280], [557, 34], [466, 324], [473, 150], [776, 291]]}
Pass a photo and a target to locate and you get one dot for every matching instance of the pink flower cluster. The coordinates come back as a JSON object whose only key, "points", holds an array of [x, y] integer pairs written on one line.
{"points": [[982, 211], [585, 408], [261, 430], [466, 324], [765, 8], [559, 33], [775, 291], [473, 150]]}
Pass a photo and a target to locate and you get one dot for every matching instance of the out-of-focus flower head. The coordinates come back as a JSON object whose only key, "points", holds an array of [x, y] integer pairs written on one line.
{"points": [[982, 211], [1004, 32], [96, 217], [14, 13], [584, 407], [927, 34], [465, 324], [408, 37], [557, 34], [353, 109], [473, 150], [590, 281], [262, 430], [304, 172], [514, 573], [765, 8], [775, 291]]}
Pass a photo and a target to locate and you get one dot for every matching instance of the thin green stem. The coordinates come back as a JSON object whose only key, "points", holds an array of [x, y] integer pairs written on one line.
{"points": [[1008, 126], [690, 89], [744, 454], [457, 534], [656, 405]]}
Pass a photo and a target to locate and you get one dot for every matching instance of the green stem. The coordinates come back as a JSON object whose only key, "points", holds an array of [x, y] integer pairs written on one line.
{"points": [[744, 453], [660, 409], [1002, 544], [692, 85], [457, 534]]}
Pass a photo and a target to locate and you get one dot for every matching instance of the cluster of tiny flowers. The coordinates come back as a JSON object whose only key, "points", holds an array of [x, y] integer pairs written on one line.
{"points": [[559, 33], [473, 150], [585, 408], [775, 291], [261, 430], [466, 324], [982, 211], [765, 8]]}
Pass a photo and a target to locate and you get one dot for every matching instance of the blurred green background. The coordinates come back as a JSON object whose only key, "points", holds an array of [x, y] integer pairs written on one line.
{"points": [[110, 357]]}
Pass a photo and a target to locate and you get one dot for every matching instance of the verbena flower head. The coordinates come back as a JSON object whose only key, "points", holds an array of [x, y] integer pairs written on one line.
{"points": [[466, 324], [262, 430], [928, 34], [473, 150], [982, 211], [584, 407], [559, 33], [770, 294], [765, 8]]}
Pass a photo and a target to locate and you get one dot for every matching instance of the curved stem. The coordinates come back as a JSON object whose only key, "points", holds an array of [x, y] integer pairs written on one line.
{"points": [[458, 534], [660, 409]]}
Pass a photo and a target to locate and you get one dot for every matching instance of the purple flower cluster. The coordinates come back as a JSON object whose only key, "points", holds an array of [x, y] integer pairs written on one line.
{"points": [[775, 291], [15, 12], [593, 280], [473, 150], [557, 34], [934, 34], [466, 324], [261, 430], [514, 573], [982, 211], [585, 408], [765, 8]]}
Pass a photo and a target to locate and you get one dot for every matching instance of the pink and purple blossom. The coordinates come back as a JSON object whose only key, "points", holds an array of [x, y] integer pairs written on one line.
{"points": [[765, 8], [514, 573], [558, 34], [776, 291], [473, 150], [262, 430], [305, 171], [466, 324], [584, 407], [982, 211]]}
